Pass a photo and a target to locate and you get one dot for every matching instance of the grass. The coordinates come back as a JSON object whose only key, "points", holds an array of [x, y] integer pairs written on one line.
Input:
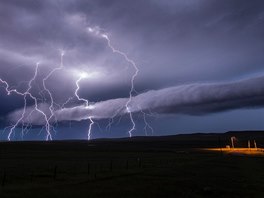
{"points": [[122, 169]]}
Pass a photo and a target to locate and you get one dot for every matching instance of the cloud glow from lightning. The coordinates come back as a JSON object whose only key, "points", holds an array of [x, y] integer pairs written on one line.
{"points": [[81, 75]]}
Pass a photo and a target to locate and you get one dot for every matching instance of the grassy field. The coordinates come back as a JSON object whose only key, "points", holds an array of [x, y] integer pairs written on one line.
{"points": [[127, 168]]}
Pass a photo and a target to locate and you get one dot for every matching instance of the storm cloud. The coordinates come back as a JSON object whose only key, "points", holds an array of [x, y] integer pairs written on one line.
{"points": [[192, 56], [192, 99]]}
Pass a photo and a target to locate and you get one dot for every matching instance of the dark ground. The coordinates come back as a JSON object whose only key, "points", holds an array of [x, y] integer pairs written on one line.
{"points": [[138, 167]]}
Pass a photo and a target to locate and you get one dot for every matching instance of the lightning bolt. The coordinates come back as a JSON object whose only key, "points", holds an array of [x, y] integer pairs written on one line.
{"points": [[90, 128], [97, 32], [82, 76], [25, 95], [86, 102], [111, 120], [51, 107], [147, 125], [132, 88]]}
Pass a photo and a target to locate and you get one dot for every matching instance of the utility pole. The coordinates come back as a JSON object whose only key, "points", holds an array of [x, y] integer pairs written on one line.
{"points": [[249, 144], [232, 141], [255, 144]]}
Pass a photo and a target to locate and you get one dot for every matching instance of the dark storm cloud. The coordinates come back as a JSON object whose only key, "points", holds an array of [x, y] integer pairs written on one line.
{"points": [[174, 42], [37, 32], [192, 99], [184, 41], [194, 40]]}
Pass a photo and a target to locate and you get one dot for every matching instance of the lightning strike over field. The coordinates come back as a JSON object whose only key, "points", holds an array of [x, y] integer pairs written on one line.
{"points": [[51, 107], [48, 118], [25, 95], [97, 32], [84, 75], [147, 125], [90, 128]]}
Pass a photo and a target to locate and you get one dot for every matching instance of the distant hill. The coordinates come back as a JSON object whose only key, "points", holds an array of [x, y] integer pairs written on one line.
{"points": [[195, 140]]}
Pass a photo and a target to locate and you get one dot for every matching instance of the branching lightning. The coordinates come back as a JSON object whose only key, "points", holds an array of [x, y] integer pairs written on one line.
{"points": [[147, 125], [97, 32], [51, 107], [25, 95], [50, 117], [84, 75], [111, 120]]}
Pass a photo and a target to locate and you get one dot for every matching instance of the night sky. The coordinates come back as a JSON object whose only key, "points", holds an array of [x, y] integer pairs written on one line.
{"points": [[200, 67]]}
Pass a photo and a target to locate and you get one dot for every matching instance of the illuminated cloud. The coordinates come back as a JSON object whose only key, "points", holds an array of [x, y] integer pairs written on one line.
{"points": [[179, 46], [191, 99]]}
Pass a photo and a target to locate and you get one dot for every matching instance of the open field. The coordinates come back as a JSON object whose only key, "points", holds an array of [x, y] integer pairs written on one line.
{"points": [[137, 167]]}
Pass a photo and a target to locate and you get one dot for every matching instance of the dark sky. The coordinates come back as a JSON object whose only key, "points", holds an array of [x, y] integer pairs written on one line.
{"points": [[200, 65]]}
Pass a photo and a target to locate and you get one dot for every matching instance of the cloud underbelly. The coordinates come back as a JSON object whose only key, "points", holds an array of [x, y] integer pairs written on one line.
{"points": [[191, 99]]}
